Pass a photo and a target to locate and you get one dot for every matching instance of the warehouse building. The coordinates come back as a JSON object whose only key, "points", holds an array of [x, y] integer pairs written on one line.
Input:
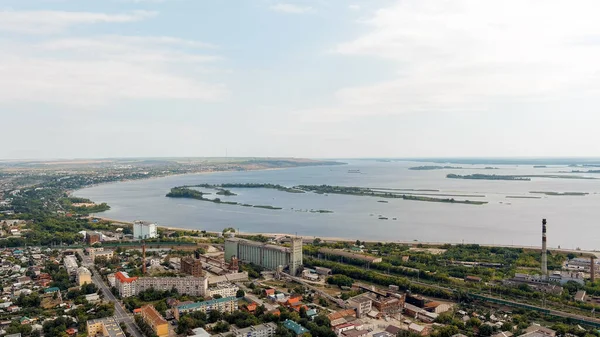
{"points": [[265, 255]]}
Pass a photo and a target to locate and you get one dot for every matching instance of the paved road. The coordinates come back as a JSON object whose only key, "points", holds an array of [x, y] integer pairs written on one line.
{"points": [[121, 315], [321, 292], [255, 298]]}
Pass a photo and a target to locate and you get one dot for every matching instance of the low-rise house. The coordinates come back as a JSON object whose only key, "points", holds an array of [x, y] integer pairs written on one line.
{"points": [[437, 307], [296, 328], [538, 331], [355, 333], [262, 330], [393, 330], [418, 329]]}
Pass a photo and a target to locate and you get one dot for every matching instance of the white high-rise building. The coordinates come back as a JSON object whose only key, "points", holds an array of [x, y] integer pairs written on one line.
{"points": [[144, 230]]}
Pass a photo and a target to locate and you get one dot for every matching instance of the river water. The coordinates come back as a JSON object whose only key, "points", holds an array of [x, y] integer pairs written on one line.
{"points": [[572, 220]]}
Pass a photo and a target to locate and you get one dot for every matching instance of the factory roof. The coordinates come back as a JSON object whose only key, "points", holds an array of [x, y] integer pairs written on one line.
{"points": [[259, 244]]}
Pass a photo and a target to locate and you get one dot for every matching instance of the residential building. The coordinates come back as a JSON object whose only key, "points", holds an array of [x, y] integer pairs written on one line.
{"points": [[200, 332], [265, 255], [83, 276], [106, 327], [226, 304], [538, 331], [296, 328], [418, 329], [194, 286], [192, 266], [224, 290], [130, 286], [262, 330], [362, 304], [92, 298], [154, 319], [125, 285], [144, 230], [341, 314], [100, 252], [70, 263]]}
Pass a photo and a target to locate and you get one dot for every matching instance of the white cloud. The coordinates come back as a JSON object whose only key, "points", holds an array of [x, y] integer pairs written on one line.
{"points": [[354, 7], [98, 70], [49, 22], [290, 8], [470, 55]]}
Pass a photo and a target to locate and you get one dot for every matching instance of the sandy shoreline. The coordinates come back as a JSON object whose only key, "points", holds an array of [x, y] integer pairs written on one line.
{"points": [[340, 239]]}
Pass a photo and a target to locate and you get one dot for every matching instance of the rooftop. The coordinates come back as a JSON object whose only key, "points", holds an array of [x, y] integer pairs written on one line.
{"points": [[150, 313], [246, 331], [111, 326], [205, 303], [258, 244], [295, 327], [124, 277], [355, 333]]}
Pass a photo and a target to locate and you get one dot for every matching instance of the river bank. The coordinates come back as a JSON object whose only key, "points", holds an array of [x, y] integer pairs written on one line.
{"points": [[309, 238]]}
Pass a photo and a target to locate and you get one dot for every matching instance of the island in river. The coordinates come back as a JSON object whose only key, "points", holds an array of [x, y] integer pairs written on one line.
{"points": [[487, 177], [190, 192], [526, 177]]}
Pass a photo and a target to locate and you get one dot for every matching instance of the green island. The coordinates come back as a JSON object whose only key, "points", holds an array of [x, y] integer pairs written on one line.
{"points": [[526, 177], [363, 191], [436, 194], [189, 193], [248, 185], [428, 168], [540, 166], [560, 193], [487, 177], [225, 192], [522, 197], [580, 171], [265, 207]]}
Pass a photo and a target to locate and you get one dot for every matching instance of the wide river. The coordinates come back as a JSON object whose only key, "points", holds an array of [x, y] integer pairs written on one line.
{"points": [[573, 221]]}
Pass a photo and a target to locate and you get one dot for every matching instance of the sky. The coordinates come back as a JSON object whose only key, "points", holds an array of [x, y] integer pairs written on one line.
{"points": [[304, 78]]}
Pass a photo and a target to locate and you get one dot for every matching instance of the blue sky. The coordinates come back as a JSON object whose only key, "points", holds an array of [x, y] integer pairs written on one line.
{"points": [[314, 78]]}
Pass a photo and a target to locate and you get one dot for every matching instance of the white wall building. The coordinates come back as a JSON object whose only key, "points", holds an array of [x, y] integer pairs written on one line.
{"points": [[224, 289], [144, 230], [70, 262], [263, 330]]}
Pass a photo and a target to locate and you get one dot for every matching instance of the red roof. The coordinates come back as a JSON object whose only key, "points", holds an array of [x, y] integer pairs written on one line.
{"points": [[251, 307], [270, 291], [137, 310], [124, 279]]}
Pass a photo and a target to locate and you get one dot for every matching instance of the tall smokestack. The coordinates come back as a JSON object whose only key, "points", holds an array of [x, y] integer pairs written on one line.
{"points": [[143, 257], [544, 251], [592, 270]]}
